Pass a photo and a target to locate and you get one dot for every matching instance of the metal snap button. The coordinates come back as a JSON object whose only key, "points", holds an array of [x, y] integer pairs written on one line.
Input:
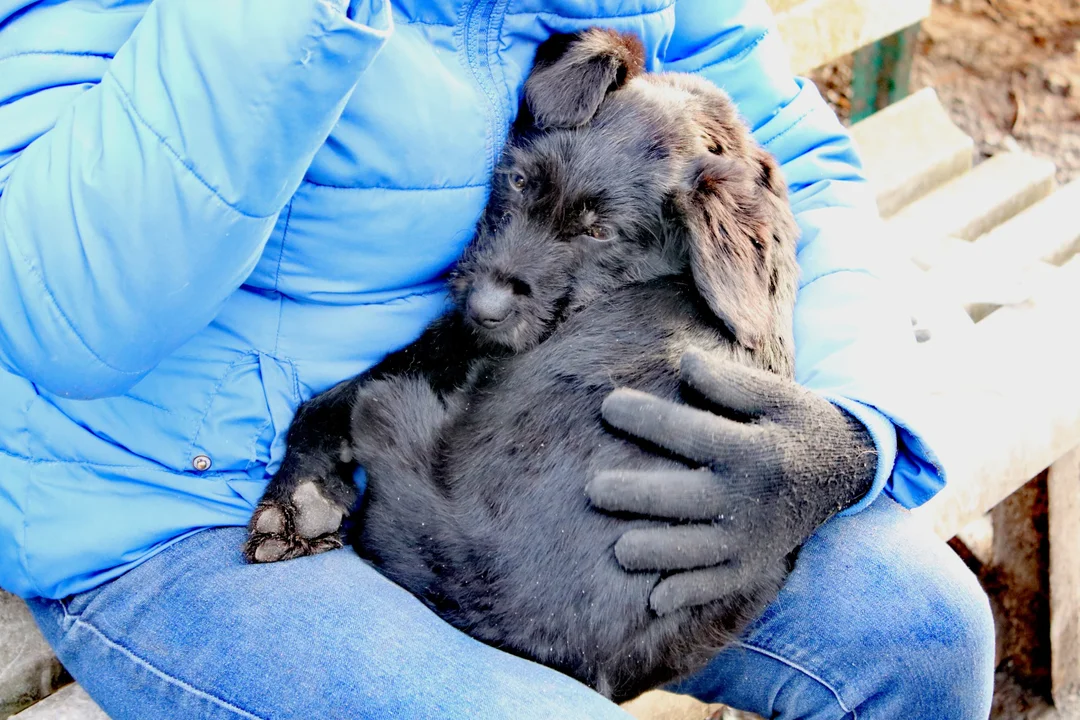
{"points": [[201, 462]]}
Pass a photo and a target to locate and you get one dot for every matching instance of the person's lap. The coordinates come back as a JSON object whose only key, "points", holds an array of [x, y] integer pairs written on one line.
{"points": [[880, 619], [877, 616]]}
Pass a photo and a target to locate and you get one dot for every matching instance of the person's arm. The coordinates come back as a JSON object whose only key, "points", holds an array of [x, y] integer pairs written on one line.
{"points": [[852, 336], [137, 191]]}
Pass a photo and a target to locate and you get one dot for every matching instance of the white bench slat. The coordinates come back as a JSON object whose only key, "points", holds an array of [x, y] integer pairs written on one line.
{"points": [[1005, 405], [911, 148], [981, 281], [975, 202], [1005, 265], [1048, 231], [818, 31]]}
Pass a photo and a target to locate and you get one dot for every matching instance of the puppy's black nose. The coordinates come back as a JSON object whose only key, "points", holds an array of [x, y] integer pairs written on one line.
{"points": [[490, 304]]}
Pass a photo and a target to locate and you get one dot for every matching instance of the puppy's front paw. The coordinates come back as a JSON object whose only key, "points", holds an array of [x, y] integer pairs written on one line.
{"points": [[307, 523]]}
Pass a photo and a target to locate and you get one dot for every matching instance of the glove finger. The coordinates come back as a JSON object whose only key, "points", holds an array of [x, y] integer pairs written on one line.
{"points": [[696, 435], [670, 494], [683, 547], [744, 390], [697, 587]]}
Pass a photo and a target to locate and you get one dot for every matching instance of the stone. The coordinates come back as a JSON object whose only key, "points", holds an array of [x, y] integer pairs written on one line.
{"points": [[911, 148], [1063, 491], [1058, 83], [662, 705], [817, 31], [28, 669], [70, 703], [975, 202]]}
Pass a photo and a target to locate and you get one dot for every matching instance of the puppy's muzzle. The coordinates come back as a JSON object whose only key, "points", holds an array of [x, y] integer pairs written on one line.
{"points": [[490, 303]]}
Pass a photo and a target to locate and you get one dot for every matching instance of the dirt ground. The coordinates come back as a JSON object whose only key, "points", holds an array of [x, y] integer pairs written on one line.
{"points": [[1008, 71]]}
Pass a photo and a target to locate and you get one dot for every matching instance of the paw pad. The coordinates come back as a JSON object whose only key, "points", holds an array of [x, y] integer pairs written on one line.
{"points": [[307, 525]]}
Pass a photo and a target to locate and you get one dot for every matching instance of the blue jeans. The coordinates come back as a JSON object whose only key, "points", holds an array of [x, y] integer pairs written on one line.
{"points": [[879, 620]]}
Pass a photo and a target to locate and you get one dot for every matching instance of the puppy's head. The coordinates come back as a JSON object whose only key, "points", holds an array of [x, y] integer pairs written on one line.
{"points": [[571, 201], [569, 218], [644, 176]]}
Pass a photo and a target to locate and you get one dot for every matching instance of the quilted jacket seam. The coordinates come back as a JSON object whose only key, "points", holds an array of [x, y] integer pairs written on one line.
{"points": [[24, 556], [620, 16], [837, 271], [40, 280], [66, 53], [388, 188], [730, 58], [789, 128], [177, 157]]}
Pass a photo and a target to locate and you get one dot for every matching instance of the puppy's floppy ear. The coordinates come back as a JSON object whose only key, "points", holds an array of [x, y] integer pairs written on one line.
{"points": [[573, 73], [741, 237], [769, 176]]}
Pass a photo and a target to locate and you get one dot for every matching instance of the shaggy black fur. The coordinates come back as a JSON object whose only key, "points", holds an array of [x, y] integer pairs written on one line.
{"points": [[627, 222]]}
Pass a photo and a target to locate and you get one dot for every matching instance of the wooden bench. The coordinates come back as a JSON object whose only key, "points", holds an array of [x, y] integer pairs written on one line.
{"points": [[992, 278]]}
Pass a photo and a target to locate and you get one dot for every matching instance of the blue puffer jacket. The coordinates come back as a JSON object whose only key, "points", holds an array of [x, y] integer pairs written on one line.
{"points": [[210, 211]]}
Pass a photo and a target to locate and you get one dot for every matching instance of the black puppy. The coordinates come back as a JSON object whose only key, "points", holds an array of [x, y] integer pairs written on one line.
{"points": [[631, 217]]}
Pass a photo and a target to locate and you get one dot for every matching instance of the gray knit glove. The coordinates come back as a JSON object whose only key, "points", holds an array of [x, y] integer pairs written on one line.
{"points": [[776, 462]]}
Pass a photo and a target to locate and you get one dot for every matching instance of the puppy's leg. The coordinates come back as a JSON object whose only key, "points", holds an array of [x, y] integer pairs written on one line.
{"points": [[303, 506], [305, 502], [406, 518], [396, 425]]}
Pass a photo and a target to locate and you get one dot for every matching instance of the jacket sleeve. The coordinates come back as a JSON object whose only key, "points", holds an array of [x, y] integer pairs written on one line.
{"points": [[853, 337], [142, 170]]}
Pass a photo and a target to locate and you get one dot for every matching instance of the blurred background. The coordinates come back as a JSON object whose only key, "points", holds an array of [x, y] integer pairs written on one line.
{"points": [[1007, 71]]}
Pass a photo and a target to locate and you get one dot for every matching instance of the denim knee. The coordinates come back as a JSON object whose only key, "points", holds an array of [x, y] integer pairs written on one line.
{"points": [[879, 620], [748, 677], [940, 661], [946, 650]]}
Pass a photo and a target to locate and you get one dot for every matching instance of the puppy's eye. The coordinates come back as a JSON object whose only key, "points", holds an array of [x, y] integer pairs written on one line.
{"points": [[601, 233], [715, 149], [518, 181]]}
